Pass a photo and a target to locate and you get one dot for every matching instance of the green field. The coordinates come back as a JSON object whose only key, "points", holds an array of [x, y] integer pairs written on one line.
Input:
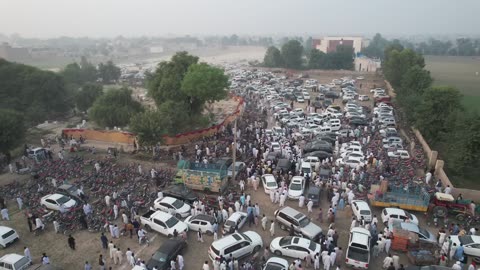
{"points": [[459, 72]]}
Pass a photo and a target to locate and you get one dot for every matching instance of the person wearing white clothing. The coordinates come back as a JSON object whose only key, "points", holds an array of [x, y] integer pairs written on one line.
{"points": [[333, 256], [301, 201], [206, 266], [27, 253], [181, 262], [387, 261], [448, 190], [272, 228], [457, 266], [272, 196], [115, 211], [326, 262], [310, 206]]}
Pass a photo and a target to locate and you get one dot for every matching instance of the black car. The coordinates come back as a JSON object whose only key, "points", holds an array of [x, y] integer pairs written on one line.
{"points": [[431, 267], [331, 94], [314, 195], [318, 146], [181, 192], [326, 138], [358, 122], [165, 253], [320, 154], [327, 102]]}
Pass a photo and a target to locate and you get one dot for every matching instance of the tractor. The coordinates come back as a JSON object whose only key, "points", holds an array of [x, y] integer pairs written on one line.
{"points": [[443, 204]]}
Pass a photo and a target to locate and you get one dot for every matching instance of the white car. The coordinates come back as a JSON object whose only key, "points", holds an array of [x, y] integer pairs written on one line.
{"points": [[358, 251], [363, 97], [275, 263], [360, 78], [239, 245], [235, 221], [306, 95], [7, 236], [269, 183], [397, 214], [403, 154], [471, 244], [348, 97], [200, 222], [355, 155], [294, 247], [172, 206], [300, 100], [54, 201], [296, 187], [352, 162], [361, 209], [276, 147]]}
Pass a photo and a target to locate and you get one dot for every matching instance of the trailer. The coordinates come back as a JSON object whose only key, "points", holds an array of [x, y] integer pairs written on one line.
{"points": [[203, 177], [411, 199]]}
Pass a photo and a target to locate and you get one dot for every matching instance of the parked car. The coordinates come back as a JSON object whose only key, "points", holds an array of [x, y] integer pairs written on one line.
{"points": [[7, 236], [471, 244], [14, 261], [314, 195], [388, 132], [200, 222], [269, 183], [320, 154], [165, 253], [69, 190], [358, 251], [293, 246], [55, 201], [238, 244], [162, 222], [402, 154], [173, 206], [296, 187], [239, 166], [181, 192], [235, 221], [361, 209], [288, 216], [423, 234], [275, 263], [300, 99], [397, 214]]}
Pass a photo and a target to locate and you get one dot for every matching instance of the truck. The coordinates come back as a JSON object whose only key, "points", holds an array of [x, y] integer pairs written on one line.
{"points": [[415, 199], [358, 252], [203, 177], [162, 223]]}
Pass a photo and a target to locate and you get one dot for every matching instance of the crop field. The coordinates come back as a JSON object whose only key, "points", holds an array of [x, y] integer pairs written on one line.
{"points": [[461, 72]]}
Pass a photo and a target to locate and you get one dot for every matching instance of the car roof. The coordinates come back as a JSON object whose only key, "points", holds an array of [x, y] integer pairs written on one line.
{"points": [[11, 258], [228, 240], [361, 204], [236, 215], [204, 218], [290, 211], [54, 196], [360, 235], [395, 211], [297, 178], [269, 177], [168, 245], [161, 215], [168, 200], [4, 229]]}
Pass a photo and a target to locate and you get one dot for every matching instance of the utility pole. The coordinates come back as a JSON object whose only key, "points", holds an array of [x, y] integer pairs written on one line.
{"points": [[234, 150]]}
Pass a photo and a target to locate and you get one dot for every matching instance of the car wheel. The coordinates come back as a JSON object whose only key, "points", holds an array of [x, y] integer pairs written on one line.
{"points": [[210, 233], [169, 236], [278, 253], [147, 227], [283, 227], [178, 216], [440, 211], [257, 248]]}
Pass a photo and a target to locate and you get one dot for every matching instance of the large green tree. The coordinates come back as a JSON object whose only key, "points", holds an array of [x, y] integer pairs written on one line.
{"points": [[376, 47], [397, 63], [108, 72], [12, 130], [114, 108], [438, 103], [149, 127], [203, 83], [85, 97], [273, 57], [292, 52], [316, 59]]}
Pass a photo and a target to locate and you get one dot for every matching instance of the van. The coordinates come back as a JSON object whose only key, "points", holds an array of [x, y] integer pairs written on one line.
{"points": [[238, 245], [335, 127], [288, 216], [306, 168], [324, 129], [313, 194], [361, 209], [334, 121], [284, 164], [8, 236]]}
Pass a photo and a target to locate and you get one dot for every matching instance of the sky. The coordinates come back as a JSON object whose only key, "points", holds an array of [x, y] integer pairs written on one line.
{"points": [[133, 18]]}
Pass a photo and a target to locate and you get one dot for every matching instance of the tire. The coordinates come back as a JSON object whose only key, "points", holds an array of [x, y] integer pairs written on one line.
{"points": [[283, 227], [148, 228], [278, 253], [256, 249], [178, 216], [460, 217], [440, 211], [209, 233], [169, 236]]}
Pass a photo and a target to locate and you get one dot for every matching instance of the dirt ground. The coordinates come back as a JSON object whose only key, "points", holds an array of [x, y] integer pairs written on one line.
{"points": [[89, 246]]}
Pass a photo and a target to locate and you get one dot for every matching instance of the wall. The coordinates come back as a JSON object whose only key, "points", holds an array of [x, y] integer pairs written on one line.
{"points": [[366, 64], [101, 135]]}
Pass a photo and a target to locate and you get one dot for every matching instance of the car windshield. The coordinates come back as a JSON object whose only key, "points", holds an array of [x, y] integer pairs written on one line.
{"points": [[271, 184], [171, 222], [177, 204], [312, 245], [304, 222], [160, 257], [246, 237], [295, 186], [63, 200], [274, 266], [285, 240], [230, 223], [424, 232], [465, 240]]}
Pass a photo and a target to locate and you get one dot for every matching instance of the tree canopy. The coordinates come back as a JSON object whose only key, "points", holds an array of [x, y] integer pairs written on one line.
{"points": [[85, 97], [108, 72], [114, 108], [376, 47], [292, 52], [12, 130], [273, 57]]}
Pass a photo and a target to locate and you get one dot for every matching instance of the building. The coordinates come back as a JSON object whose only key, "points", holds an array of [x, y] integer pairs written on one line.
{"points": [[13, 54], [365, 64], [329, 44]]}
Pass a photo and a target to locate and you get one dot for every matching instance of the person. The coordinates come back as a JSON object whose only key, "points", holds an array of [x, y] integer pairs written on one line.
{"points": [[71, 242], [301, 201], [141, 235], [272, 228], [181, 262], [200, 235], [401, 267], [118, 256], [39, 224], [101, 262], [388, 244], [448, 190], [320, 215], [310, 207], [173, 265], [4, 212], [104, 240], [205, 266], [391, 267], [387, 261], [472, 266], [457, 266], [292, 230], [26, 252], [45, 259], [30, 225], [20, 202], [264, 222], [87, 266]]}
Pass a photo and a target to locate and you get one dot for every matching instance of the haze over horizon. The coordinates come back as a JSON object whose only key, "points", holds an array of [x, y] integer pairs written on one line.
{"points": [[110, 18]]}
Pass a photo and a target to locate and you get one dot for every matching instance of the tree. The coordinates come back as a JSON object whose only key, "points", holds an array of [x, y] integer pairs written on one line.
{"points": [[292, 52], [308, 45], [376, 47], [109, 72], [273, 57], [149, 126], [87, 96], [396, 63], [12, 130], [89, 71], [436, 106], [114, 108], [203, 83], [165, 83], [79, 74], [316, 59], [343, 57], [415, 80]]}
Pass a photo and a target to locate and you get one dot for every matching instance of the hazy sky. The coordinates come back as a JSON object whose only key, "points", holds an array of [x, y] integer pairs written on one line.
{"points": [[97, 18]]}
